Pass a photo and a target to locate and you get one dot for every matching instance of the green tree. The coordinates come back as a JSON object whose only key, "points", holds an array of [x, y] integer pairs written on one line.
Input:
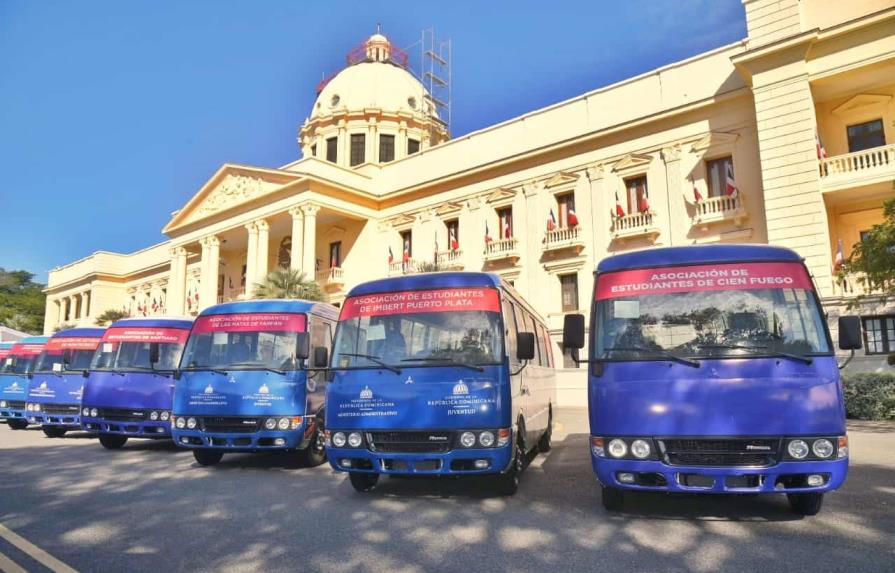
{"points": [[110, 316], [22, 301], [288, 283], [873, 259], [428, 267], [64, 326]]}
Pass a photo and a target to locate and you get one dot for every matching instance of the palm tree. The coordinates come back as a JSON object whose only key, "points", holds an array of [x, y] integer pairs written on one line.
{"points": [[427, 267], [288, 283], [110, 316], [64, 326]]}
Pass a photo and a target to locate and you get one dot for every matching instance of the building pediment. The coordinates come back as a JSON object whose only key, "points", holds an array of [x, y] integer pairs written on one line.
{"points": [[563, 178], [500, 195], [632, 160], [860, 102], [402, 221], [449, 208], [714, 139]]}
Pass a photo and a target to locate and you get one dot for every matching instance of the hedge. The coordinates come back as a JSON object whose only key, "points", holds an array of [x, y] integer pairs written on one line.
{"points": [[869, 395]]}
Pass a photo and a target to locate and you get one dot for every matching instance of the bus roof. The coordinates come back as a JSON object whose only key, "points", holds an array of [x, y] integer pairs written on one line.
{"points": [[6, 345], [424, 281], [32, 340], [696, 255], [156, 322], [274, 305], [85, 332]]}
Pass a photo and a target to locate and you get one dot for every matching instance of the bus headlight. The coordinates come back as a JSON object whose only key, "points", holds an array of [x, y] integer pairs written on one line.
{"points": [[617, 448], [354, 439], [339, 439], [153, 415], [180, 423], [640, 449], [2, 403], [164, 416], [822, 448], [486, 439], [798, 449], [283, 424], [94, 412], [191, 423], [467, 439], [270, 424], [85, 412], [37, 407]]}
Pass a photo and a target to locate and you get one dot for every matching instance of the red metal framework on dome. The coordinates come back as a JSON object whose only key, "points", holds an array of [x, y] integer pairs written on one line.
{"points": [[362, 52]]}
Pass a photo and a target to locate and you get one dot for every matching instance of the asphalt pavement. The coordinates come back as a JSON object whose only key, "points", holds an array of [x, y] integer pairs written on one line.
{"points": [[150, 507]]}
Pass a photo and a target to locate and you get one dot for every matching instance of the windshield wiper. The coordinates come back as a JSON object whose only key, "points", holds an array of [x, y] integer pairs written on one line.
{"points": [[253, 366], [204, 368], [450, 361], [657, 351], [374, 359], [799, 357]]}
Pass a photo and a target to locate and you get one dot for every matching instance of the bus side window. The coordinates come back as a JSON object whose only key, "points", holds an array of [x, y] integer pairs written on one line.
{"points": [[530, 327], [547, 357], [321, 334], [509, 320]]}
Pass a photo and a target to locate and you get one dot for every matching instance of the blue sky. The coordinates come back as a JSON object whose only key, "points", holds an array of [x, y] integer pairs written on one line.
{"points": [[112, 114]]}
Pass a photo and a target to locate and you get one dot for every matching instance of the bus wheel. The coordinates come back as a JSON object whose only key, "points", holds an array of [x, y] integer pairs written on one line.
{"points": [[547, 436], [17, 424], [52, 432], [508, 482], [363, 482], [112, 441], [315, 454], [613, 498], [207, 457], [805, 503]]}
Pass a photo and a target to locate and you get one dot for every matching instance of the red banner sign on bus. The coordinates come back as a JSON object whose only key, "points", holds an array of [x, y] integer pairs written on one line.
{"points": [[250, 322], [439, 300], [736, 276], [27, 349], [147, 334], [73, 343]]}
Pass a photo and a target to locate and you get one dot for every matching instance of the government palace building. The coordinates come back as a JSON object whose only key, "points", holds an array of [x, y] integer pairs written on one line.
{"points": [[786, 137]]}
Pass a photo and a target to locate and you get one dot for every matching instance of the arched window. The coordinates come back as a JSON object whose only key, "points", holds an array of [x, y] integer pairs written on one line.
{"points": [[284, 255]]}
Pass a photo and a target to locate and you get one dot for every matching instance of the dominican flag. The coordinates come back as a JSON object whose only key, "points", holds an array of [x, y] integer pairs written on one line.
{"points": [[821, 152], [643, 207], [455, 244], [840, 257], [697, 196], [406, 256], [619, 211], [154, 305], [391, 255], [572, 217], [732, 190], [488, 238], [436, 247], [551, 220], [506, 232]]}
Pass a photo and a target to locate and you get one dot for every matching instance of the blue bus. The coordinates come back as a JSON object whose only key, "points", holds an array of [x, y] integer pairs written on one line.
{"points": [[130, 387], [14, 382], [711, 370], [54, 393], [245, 383], [444, 374]]}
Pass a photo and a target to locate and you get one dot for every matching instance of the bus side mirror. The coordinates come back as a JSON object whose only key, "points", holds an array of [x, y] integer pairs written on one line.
{"points": [[154, 353], [302, 345], [321, 357], [573, 331], [850, 333], [525, 346]]}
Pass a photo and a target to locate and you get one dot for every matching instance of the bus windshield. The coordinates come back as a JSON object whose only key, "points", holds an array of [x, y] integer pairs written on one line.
{"points": [[21, 359], [718, 311], [420, 328], [131, 349], [245, 341], [69, 353]]}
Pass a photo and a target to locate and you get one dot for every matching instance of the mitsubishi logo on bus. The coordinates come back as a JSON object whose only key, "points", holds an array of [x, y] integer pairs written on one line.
{"points": [[460, 388], [366, 393]]}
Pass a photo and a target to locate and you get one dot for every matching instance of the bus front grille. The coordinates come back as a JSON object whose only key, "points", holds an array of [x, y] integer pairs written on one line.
{"points": [[121, 414], [410, 442], [70, 409], [229, 424], [15, 404], [740, 452]]}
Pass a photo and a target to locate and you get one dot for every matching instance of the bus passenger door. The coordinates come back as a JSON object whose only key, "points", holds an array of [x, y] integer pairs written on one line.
{"points": [[517, 393], [321, 335]]}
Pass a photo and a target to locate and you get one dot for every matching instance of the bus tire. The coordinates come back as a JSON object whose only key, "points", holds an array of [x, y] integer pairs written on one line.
{"points": [[362, 482], [112, 441], [613, 498], [544, 444], [805, 503], [53, 432], [17, 424], [207, 457], [315, 452], [508, 481]]}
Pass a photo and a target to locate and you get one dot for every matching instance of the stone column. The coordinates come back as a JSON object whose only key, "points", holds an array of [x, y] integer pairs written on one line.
{"points": [[209, 286], [295, 261], [251, 257], [177, 292], [676, 206], [85, 304], [61, 303], [401, 141], [262, 250], [309, 246]]}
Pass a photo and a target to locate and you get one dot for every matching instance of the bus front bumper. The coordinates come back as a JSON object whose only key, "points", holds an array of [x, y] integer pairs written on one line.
{"points": [[455, 462], [137, 429], [783, 477], [67, 421], [263, 440], [7, 414]]}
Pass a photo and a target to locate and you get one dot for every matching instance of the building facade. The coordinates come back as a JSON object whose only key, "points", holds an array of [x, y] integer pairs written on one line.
{"points": [[799, 117]]}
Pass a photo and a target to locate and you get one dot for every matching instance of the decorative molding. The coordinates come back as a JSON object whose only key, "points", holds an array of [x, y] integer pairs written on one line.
{"points": [[632, 160], [531, 188], [714, 139], [402, 222], [447, 209], [233, 189], [561, 179], [670, 154], [565, 265], [595, 172], [860, 101], [310, 209]]}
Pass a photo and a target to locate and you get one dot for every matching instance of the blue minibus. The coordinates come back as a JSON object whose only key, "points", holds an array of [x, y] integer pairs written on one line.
{"points": [[245, 383], [14, 381], [440, 374], [130, 386], [54, 393], [711, 370]]}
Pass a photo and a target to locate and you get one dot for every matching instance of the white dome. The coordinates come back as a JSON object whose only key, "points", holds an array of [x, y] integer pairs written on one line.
{"points": [[379, 85]]}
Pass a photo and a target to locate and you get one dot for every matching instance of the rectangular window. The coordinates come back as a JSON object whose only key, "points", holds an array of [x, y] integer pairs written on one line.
{"points": [[509, 320], [314, 150], [332, 149], [879, 334], [407, 244], [566, 205], [505, 218], [866, 135], [413, 146], [386, 148], [530, 327], [335, 255], [453, 233], [716, 175], [636, 194], [358, 148], [569, 287]]}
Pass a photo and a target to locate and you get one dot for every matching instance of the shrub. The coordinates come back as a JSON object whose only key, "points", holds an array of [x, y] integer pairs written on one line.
{"points": [[869, 395]]}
